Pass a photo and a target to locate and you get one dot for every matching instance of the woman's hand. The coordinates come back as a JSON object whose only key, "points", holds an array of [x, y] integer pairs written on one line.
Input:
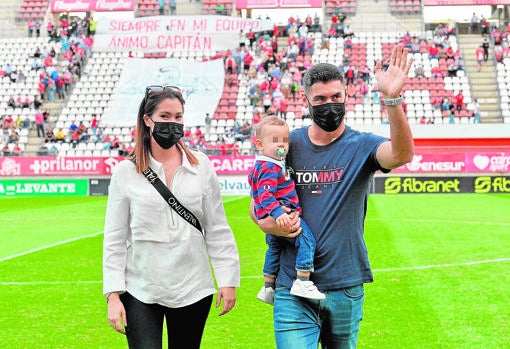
{"points": [[228, 295], [116, 313]]}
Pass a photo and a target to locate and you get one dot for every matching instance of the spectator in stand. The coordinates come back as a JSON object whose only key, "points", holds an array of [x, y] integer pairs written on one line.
{"points": [[76, 137], [99, 135], [30, 27], [498, 53], [479, 54], [476, 111], [13, 136], [49, 137], [42, 89], [207, 122], [9, 123], [433, 52], [107, 142], [37, 102], [446, 105], [39, 123], [26, 123], [161, 4], [474, 24], [452, 69], [436, 72], [46, 116], [351, 91], [67, 80], [198, 132], [459, 102], [451, 118], [72, 127], [37, 53], [60, 85], [485, 46], [484, 24], [436, 103], [37, 27], [25, 102], [350, 75], [459, 62], [16, 150], [12, 102], [415, 46], [60, 136], [449, 53], [49, 27], [18, 123], [364, 90], [36, 64], [283, 108], [93, 124], [115, 144], [82, 128]]}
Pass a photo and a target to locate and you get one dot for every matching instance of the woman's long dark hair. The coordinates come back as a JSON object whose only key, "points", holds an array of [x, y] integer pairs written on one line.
{"points": [[142, 149]]}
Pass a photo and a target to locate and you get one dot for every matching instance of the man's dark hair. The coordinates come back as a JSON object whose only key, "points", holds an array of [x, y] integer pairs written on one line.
{"points": [[321, 72]]}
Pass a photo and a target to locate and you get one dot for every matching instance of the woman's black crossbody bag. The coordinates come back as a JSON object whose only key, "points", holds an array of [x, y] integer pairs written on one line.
{"points": [[189, 217]]}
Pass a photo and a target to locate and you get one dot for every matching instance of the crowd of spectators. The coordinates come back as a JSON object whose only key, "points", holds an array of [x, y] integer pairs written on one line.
{"points": [[12, 130], [272, 77]]}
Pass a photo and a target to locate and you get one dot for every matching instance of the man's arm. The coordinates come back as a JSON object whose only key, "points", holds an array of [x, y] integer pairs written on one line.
{"points": [[400, 149], [269, 226]]}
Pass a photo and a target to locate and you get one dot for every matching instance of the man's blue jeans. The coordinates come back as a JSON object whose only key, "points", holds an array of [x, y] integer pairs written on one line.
{"points": [[302, 323]]}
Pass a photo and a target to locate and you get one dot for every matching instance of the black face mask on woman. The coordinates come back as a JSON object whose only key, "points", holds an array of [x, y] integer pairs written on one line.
{"points": [[328, 116], [167, 134]]}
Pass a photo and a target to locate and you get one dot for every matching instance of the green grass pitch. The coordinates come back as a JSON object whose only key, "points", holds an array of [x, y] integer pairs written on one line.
{"points": [[440, 265]]}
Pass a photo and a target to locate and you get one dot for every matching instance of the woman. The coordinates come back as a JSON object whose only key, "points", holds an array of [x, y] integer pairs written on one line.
{"points": [[155, 263]]}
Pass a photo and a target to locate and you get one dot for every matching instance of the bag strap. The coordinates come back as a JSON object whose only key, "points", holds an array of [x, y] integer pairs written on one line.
{"points": [[189, 217]]}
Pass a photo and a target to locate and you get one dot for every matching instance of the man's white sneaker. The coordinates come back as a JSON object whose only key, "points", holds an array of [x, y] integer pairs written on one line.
{"points": [[306, 289], [266, 295]]}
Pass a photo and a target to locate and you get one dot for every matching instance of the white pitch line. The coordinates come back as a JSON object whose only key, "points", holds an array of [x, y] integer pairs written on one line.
{"points": [[498, 260], [30, 283], [49, 246], [233, 199], [434, 266], [414, 220]]}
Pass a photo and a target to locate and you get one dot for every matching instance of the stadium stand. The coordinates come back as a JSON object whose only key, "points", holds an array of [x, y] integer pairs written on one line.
{"points": [[430, 82], [405, 7], [32, 10]]}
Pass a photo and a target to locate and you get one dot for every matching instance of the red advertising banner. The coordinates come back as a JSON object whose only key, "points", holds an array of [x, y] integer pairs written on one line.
{"points": [[464, 2], [57, 166], [92, 5], [232, 164], [240, 165], [468, 162], [278, 4]]}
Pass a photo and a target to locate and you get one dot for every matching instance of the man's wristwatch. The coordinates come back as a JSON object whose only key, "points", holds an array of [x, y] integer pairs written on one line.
{"points": [[392, 102]]}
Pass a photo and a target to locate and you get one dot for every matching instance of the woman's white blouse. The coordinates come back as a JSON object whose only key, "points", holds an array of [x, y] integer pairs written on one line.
{"points": [[153, 253]]}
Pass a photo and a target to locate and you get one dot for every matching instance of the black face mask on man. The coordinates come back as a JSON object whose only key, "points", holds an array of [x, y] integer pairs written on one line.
{"points": [[328, 116], [167, 134]]}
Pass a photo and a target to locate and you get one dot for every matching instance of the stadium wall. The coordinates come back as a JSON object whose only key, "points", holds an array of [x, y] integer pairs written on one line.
{"points": [[448, 159]]}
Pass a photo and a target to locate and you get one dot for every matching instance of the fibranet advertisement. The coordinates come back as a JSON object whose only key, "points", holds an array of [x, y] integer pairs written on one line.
{"points": [[442, 185]]}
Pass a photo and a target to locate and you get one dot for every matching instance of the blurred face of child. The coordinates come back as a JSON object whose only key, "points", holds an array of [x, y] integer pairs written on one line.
{"points": [[274, 141]]}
